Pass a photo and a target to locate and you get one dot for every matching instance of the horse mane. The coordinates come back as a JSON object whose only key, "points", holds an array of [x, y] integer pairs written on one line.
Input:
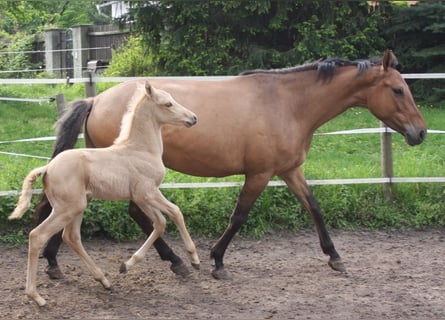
{"points": [[325, 67], [127, 119]]}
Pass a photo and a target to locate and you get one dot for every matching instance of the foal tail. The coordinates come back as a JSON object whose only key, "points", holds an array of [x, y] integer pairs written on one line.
{"points": [[69, 125], [25, 198]]}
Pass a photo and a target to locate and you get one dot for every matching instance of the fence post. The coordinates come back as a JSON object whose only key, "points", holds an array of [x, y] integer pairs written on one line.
{"points": [[386, 160], [55, 61], [90, 85], [80, 49], [60, 102]]}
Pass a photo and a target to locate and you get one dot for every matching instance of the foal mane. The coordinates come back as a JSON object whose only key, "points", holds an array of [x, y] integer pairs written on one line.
{"points": [[127, 119], [325, 67]]}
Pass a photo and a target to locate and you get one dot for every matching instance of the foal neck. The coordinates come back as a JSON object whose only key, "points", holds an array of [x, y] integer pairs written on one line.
{"points": [[140, 129]]}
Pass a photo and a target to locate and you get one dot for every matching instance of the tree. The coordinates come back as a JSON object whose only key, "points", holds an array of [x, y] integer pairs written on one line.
{"points": [[227, 36], [417, 34], [33, 16]]}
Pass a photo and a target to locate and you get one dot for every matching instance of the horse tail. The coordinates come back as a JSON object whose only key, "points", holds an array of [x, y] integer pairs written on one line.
{"points": [[69, 125], [24, 202]]}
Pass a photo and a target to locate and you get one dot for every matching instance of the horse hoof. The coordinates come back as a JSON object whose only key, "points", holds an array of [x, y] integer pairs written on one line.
{"points": [[38, 299], [54, 272], [337, 265], [196, 266], [221, 274], [180, 269], [123, 268]]}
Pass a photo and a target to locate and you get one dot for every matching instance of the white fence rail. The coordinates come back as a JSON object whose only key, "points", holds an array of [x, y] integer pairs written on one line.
{"points": [[92, 80]]}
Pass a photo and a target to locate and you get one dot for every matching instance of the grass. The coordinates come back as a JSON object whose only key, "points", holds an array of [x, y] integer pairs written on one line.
{"points": [[207, 210]]}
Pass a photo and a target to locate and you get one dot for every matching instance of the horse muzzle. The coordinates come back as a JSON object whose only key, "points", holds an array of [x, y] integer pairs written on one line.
{"points": [[191, 122], [415, 136]]}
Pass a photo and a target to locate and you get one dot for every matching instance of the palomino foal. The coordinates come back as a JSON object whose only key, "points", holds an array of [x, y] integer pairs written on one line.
{"points": [[130, 169]]}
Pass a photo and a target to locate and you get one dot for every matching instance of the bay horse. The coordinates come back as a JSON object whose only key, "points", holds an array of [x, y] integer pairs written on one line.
{"points": [[259, 124], [130, 169]]}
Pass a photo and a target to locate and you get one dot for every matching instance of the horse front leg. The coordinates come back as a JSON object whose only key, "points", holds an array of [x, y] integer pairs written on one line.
{"points": [[42, 211], [253, 186], [297, 184], [164, 251]]}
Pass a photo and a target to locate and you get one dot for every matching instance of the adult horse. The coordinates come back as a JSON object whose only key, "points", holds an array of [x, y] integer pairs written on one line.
{"points": [[259, 124]]}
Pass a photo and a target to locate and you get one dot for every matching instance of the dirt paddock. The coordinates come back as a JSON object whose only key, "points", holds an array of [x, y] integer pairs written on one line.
{"points": [[397, 275]]}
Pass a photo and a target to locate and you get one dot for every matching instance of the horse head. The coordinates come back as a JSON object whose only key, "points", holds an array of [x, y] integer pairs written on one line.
{"points": [[168, 110], [391, 101]]}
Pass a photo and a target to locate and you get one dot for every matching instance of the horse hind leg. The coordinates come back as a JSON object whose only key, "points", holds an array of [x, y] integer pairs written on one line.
{"points": [[71, 236], [159, 224], [164, 251]]}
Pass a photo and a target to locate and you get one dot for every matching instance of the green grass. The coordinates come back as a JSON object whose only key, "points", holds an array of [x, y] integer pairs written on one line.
{"points": [[207, 210]]}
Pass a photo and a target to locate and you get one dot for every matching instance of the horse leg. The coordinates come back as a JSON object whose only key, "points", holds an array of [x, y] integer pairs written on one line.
{"points": [[297, 183], [164, 251], [159, 224], [71, 236], [37, 238], [42, 211], [159, 202], [253, 186]]}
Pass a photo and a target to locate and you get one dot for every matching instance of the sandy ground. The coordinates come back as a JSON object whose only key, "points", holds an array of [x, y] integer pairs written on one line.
{"points": [[398, 275]]}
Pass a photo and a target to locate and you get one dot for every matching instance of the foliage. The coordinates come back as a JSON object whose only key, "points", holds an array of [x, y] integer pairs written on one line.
{"points": [[417, 33], [221, 37], [130, 60], [34, 16], [18, 59]]}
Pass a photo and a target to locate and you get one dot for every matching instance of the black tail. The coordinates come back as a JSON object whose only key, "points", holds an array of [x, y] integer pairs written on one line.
{"points": [[69, 125]]}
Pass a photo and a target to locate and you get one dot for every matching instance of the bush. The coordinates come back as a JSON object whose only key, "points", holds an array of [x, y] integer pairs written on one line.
{"points": [[130, 60]]}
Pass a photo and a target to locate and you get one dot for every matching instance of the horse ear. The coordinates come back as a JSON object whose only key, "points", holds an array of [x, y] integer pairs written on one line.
{"points": [[148, 88], [389, 60]]}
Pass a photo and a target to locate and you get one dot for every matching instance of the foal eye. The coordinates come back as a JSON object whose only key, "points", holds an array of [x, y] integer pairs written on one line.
{"points": [[168, 104], [398, 91]]}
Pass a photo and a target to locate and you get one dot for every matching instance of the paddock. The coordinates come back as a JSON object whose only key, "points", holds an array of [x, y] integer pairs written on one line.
{"points": [[391, 275]]}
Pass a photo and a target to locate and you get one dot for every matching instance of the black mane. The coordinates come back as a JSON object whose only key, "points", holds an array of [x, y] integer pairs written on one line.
{"points": [[325, 67]]}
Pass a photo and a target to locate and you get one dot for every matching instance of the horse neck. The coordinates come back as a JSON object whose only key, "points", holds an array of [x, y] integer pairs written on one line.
{"points": [[331, 98], [142, 132]]}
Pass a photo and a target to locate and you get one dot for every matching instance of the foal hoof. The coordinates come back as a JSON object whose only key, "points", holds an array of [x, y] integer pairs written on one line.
{"points": [[337, 265], [221, 274], [180, 269], [196, 266], [54, 272]]}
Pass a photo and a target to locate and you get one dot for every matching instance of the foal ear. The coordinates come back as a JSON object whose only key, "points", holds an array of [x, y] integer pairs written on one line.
{"points": [[389, 60], [148, 88]]}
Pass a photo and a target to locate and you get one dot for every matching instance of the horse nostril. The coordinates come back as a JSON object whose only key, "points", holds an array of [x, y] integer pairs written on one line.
{"points": [[422, 134]]}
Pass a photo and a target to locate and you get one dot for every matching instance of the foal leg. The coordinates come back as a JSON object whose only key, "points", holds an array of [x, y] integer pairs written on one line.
{"points": [[41, 212], [297, 183], [71, 236], [253, 186], [165, 252], [158, 201], [37, 238], [159, 224]]}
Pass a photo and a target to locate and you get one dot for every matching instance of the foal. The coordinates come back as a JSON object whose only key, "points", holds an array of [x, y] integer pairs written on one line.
{"points": [[130, 169]]}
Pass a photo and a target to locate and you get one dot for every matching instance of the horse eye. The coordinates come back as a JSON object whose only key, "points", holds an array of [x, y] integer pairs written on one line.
{"points": [[398, 91], [168, 104]]}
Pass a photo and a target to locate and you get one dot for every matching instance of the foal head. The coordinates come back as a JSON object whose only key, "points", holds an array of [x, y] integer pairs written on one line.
{"points": [[391, 101], [167, 110]]}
